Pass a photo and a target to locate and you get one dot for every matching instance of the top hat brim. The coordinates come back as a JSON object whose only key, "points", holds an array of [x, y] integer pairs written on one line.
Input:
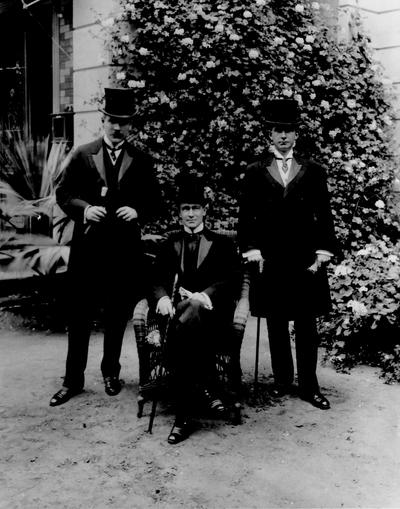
{"points": [[282, 124], [113, 115]]}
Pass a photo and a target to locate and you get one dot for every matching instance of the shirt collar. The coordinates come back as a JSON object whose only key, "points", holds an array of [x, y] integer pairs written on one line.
{"points": [[198, 229], [110, 145], [278, 155]]}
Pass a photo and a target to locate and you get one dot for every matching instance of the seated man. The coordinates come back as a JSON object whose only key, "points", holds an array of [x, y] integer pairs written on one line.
{"points": [[194, 284]]}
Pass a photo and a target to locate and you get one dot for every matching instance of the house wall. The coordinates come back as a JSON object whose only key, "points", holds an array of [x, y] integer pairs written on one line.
{"points": [[65, 50], [381, 21], [91, 69]]}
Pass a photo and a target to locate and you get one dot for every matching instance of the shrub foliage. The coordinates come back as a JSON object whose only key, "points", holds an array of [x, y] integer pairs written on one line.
{"points": [[201, 70]]}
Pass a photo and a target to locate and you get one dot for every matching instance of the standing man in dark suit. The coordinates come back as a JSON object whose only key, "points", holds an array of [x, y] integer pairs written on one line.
{"points": [[110, 191], [202, 266], [286, 223]]}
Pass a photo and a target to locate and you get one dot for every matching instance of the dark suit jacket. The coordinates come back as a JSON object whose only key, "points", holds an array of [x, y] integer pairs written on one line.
{"points": [[288, 225], [108, 254], [216, 275]]}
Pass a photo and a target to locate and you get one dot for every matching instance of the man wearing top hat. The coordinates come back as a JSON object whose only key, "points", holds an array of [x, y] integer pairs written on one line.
{"points": [[201, 266], [285, 223], [110, 191]]}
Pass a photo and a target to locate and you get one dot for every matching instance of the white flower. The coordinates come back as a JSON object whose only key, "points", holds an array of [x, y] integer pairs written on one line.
{"points": [[210, 64], [120, 75], [333, 133], [222, 123], [136, 83], [260, 3], [287, 92], [124, 38], [173, 105], [379, 204], [358, 307], [351, 103], [337, 154], [108, 22], [160, 139], [179, 31], [187, 41], [219, 28], [316, 82], [299, 8], [153, 100], [343, 270], [315, 5], [299, 40], [325, 104], [182, 76], [290, 54], [393, 258], [193, 80], [168, 19], [234, 37], [278, 41], [143, 51], [254, 53], [298, 98], [310, 39], [154, 338], [247, 14], [363, 289], [307, 47], [312, 95]]}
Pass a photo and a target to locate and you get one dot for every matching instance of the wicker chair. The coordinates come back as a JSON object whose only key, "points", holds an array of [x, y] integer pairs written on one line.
{"points": [[153, 373]]}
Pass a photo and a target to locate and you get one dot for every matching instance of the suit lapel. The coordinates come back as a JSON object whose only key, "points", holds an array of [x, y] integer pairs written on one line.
{"points": [[274, 171], [204, 248], [98, 159], [126, 162], [297, 171]]}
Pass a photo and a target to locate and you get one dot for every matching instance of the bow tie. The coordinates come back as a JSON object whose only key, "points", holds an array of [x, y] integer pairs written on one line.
{"points": [[192, 236]]}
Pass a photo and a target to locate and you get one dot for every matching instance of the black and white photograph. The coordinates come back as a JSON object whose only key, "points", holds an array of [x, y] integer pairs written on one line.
{"points": [[199, 254]]}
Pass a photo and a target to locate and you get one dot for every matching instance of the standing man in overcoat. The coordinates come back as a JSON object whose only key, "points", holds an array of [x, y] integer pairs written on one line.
{"points": [[110, 191], [285, 223]]}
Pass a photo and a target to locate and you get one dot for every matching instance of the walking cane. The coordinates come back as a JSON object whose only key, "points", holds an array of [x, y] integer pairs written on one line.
{"points": [[163, 342], [260, 269]]}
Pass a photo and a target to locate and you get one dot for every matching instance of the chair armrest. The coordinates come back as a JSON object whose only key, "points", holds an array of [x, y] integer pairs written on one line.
{"points": [[140, 322]]}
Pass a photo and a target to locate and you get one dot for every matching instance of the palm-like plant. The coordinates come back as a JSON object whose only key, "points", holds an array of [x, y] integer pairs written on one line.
{"points": [[29, 174]]}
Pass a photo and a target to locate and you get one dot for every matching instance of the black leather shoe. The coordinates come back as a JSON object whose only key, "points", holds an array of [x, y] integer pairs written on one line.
{"points": [[179, 432], [278, 390], [214, 404], [112, 385], [64, 395], [317, 400]]}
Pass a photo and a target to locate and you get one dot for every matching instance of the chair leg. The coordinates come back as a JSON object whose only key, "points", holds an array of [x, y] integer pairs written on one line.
{"points": [[237, 414], [257, 354], [152, 415]]}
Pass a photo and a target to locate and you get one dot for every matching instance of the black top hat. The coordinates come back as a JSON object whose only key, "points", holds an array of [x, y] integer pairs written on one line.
{"points": [[281, 112], [190, 189], [119, 103]]}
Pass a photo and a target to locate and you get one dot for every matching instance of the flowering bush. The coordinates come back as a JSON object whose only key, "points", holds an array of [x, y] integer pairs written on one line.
{"points": [[201, 70]]}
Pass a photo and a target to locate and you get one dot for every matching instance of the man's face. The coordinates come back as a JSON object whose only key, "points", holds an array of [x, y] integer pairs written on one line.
{"points": [[192, 214], [283, 138], [116, 129]]}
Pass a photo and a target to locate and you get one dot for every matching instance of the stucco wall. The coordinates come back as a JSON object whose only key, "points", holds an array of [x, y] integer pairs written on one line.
{"points": [[91, 70], [381, 20]]}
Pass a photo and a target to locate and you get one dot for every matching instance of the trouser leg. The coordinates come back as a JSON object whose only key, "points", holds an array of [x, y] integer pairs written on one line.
{"points": [[307, 354], [78, 346], [280, 350], [114, 328]]}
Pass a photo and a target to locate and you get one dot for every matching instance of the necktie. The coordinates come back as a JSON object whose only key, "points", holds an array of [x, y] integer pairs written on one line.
{"points": [[285, 166], [191, 251]]}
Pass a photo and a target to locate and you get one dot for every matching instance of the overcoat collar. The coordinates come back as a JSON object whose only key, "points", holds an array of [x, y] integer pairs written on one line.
{"points": [[297, 170], [97, 156], [204, 247]]}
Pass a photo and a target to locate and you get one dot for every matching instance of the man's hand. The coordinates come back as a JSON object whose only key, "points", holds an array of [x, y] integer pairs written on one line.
{"points": [[165, 307], [126, 213], [95, 213], [254, 255]]}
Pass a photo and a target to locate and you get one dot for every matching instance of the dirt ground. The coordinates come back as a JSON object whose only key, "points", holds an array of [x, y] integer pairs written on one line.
{"points": [[94, 452]]}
